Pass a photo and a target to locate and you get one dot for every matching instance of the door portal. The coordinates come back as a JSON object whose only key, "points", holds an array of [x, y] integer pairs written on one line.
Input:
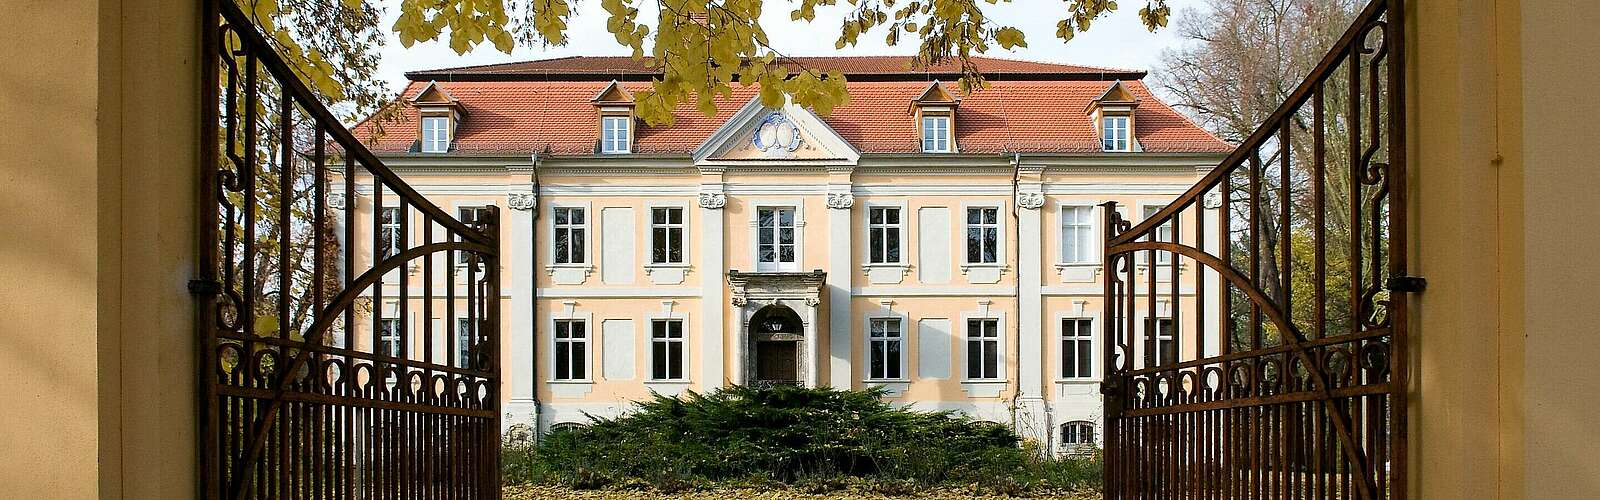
{"points": [[775, 362]]}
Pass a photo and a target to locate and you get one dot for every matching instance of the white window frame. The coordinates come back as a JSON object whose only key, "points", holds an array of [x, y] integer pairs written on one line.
{"points": [[657, 343], [435, 133], [899, 228], [1163, 258], [1092, 340], [1094, 432], [399, 241], [1116, 139], [1000, 234], [1175, 338], [460, 338], [944, 140], [381, 336], [461, 257], [1088, 255], [1000, 346], [683, 233], [799, 235], [670, 311], [588, 348], [588, 234], [616, 144], [904, 339]]}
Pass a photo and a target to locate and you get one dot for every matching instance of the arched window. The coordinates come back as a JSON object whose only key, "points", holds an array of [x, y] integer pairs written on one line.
{"points": [[1077, 434], [776, 319], [566, 427]]}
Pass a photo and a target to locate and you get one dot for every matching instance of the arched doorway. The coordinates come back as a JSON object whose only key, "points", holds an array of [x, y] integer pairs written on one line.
{"points": [[775, 336]]}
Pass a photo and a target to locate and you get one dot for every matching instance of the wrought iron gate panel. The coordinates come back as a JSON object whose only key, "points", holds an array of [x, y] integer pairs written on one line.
{"points": [[317, 381], [1255, 326]]}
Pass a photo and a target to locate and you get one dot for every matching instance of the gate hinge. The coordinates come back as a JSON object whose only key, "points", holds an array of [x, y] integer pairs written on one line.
{"points": [[1407, 284], [204, 287]]}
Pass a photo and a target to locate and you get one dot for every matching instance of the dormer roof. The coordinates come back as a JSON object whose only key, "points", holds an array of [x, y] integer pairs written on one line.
{"points": [[935, 94], [1115, 94], [433, 95], [613, 95]]}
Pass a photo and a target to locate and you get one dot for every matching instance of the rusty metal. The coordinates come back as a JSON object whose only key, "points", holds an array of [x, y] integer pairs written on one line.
{"points": [[1289, 379], [302, 393]]}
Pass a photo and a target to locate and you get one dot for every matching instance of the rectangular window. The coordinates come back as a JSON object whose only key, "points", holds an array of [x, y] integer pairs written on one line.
{"points": [[884, 346], [389, 337], [435, 134], [883, 235], [1114, 133], [666, 349], [936, 134], [392, 239], [775, 239], [572, 357], [569, 235], [614, 134], [983, 349], [1160, 342], [1163, 234], [1077, 348], [983, 235], [1077, 235], [464, 342], [666, 235], [469, 216]]}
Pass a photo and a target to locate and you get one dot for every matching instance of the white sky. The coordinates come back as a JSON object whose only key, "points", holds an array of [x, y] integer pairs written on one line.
{"points": [[1118, 41]]}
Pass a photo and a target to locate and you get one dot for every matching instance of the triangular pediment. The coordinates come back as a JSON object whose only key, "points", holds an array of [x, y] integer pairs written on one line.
{"points": [[1117, 93], [761, 134], [613, 94], [433, 94], [936, 94]]}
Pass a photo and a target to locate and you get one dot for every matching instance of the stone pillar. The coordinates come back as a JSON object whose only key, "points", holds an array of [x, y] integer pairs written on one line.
{"points": [[521, 375], [712, 269], [812, 331], [1032, 415], [840, 249]]}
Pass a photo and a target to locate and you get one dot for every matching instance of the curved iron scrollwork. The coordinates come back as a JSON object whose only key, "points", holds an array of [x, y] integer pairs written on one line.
{"points": [[1252, 339], [351, 346]]}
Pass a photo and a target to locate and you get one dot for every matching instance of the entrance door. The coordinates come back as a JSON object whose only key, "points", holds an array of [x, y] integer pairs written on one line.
{"points": [[775, 361]]}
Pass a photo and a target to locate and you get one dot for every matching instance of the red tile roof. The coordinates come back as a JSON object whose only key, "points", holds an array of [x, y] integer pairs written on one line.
{"points": [[858, 67], [557, 118]]}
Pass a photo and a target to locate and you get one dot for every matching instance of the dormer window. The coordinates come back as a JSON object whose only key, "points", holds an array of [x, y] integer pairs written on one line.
{"points": [[615, 134], [435, 134], [936, 111], [1113, 113], [936, 134], [615, 106], [1114, 133], [438, 114]]}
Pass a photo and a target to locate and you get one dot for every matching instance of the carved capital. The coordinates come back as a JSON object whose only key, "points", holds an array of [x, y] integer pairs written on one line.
{"points": [[522, 201], [713, 200], [841, 201], [813, 300], [739, 300], [336, 201], [1030, 200], [1211, 200]]}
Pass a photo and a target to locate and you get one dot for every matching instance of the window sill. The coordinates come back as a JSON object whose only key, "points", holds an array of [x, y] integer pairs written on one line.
{"points": [[886, 274], [984, 388], [666, 274], [1078, 272], [568, 389], [983, 273], [569, 274], [1069, 381], [891, 387]]}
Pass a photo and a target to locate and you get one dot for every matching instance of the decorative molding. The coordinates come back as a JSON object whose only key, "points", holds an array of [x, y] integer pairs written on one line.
{"points": [[522, 201], [1211, 200], [336, 201], [617, 293], [713, 200], [1030, 200], [841, 200], [813, 300]]}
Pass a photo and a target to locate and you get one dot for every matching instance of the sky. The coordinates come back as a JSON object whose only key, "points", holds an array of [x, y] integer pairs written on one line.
{"points": [[1116, 41]]}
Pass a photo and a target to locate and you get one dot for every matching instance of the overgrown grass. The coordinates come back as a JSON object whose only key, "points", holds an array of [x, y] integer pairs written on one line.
{"points": [[810, 440]]}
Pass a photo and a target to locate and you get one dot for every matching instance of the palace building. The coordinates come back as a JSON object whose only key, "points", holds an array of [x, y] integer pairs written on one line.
{"points": [[944, 247]]}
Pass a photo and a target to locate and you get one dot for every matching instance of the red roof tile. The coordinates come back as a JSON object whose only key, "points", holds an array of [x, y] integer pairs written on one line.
{"points": [[621, 67], [557, 118]]}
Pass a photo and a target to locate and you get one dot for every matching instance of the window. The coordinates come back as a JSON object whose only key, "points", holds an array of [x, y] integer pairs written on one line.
{"points": [[435, 134], [614, 134], [883, 235], [983, 348], [1114, 133], [1160, 342], [572, 358], [569, 241], [983, 235], [775, 243], [1077, 348], [391, 238], [1077, 235], [1074, 434], [666, 235], [883, 344], [469, 216], [936, 134], [464, 338], [389, 337], [666, 349], [1163, 233]]}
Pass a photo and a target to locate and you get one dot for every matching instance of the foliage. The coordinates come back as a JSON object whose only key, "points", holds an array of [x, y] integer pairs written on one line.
{"points": [[815, 440], [703, 47], [332, 44]]}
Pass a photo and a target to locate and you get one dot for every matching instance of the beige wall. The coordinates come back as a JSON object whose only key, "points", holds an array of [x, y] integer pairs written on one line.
{"points": [[96, 198]]}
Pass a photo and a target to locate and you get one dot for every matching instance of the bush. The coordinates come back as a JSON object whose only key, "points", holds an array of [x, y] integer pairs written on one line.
{"points": [[809, 438]]}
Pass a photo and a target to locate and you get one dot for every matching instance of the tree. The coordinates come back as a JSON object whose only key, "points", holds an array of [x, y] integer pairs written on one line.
{"points": [[1242, 59]]}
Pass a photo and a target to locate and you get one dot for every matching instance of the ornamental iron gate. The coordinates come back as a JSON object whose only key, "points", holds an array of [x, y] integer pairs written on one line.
{"points": [[326, 372], [1256, 325]]}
